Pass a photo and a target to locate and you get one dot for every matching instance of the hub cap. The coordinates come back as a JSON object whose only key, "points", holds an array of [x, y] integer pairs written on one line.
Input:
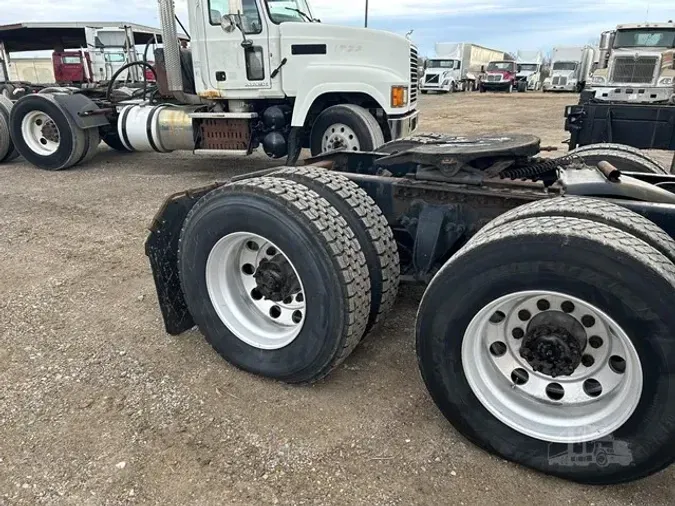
{"points": [[552, 366], [256, 291], [40, 133], [340, 137]]}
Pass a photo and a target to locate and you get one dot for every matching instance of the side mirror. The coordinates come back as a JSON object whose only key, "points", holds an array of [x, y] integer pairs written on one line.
{"points": [[228, 23], [458, 65]]}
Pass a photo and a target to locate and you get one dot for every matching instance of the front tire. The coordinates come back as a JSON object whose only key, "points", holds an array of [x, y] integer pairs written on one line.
{"points": [[585, 278], [274, 278], [345, 127]]}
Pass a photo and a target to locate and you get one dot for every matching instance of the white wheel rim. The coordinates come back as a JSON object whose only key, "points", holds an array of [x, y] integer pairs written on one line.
{"points": [[236, 296], [40, 133], [494, 368], [340, 137]]}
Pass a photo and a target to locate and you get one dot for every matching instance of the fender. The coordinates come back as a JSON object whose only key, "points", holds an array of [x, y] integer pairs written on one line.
{"points": [[321, 79], [81, 109]]}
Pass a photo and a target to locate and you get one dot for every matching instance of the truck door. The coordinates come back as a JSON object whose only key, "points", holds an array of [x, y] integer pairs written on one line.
{"points": [[231, 66]]}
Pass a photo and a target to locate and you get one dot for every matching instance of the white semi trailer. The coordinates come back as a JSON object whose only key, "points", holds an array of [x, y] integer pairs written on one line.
{"points": [[456, 67], [259, 73], [570, 68]]}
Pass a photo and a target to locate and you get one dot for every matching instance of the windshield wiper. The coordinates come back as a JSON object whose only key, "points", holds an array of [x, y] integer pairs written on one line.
{"points": [[303, 14]]}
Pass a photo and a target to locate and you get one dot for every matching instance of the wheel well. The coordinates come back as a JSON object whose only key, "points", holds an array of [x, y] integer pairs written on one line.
{"points": [[327, 100]]}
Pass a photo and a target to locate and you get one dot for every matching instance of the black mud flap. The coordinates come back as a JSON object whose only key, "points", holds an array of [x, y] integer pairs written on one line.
{"points": [[161, 247]]}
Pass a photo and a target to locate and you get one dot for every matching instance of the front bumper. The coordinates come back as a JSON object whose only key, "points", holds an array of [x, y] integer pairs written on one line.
{"points": [[434, 87], [500, 85], [560, 87], [403, 126], [634, 95]]}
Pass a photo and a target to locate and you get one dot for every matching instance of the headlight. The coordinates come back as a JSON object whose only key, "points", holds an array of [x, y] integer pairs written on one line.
{"points": [[599, 80], [399, 96], [665, 81]]}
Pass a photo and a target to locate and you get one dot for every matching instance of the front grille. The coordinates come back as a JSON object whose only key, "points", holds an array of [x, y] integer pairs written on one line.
{"points": [[559, 81], [433, 78], [414, 77], [630, 70], [494, 78]]}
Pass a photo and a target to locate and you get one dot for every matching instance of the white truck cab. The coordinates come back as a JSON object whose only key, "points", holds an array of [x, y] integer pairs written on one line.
{"points": [[279, 52], [441, 74]]}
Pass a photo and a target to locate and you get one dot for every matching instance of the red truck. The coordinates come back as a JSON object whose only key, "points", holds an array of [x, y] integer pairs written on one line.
{"points": [[500, 76]]}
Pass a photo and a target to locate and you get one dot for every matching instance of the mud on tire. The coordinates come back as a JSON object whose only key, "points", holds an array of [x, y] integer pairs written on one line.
{"points": [[321, 248]]}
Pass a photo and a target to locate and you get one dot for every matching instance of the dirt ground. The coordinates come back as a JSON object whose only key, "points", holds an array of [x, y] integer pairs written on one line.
{"points": [[99, 406]]}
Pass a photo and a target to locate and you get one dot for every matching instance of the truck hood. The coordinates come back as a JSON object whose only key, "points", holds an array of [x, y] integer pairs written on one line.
{"points": [[350, 46], [433, 72], [526, 73], [504, 73]]}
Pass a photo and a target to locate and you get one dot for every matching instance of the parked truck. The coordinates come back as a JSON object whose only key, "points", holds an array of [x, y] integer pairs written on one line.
{"points": [[259, 73], [456, 67], [570, 68], [637, 64], [529, 70], [499, 75], [104, 49]]}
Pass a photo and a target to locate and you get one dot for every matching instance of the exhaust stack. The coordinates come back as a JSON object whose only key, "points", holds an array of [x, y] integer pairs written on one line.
{"points": [[174, 75]]}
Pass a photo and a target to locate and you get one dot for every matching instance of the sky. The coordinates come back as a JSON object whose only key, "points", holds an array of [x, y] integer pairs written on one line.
{"points": [[506, 25]]}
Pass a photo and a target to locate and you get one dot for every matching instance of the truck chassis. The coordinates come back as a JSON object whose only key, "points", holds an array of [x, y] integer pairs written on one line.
{"points": [[547, 320]]}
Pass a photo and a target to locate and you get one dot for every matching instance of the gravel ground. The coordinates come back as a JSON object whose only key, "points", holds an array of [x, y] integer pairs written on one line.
{"points": [[99, 406]]}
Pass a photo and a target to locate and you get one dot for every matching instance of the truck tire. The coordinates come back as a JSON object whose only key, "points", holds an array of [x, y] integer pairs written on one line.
{"points": [[622, 156], [93, 141], [522, 87], [45, 135], [7, 91], [481, 88], [569, 280], [370, 226], [112, 139], [348, 127], [424, 92], [274, 278], [596, 210], [510, 88], [7, 150]]}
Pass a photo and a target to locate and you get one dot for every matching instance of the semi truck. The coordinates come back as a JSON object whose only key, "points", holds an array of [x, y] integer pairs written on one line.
{"points": [[570, 68], [456, 67], [259, 73], [529, 70], [637, 64], [500, 75]]}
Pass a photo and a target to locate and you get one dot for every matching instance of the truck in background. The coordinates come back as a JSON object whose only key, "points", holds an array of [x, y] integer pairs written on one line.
{"points": [[570, 68], [456, 67], [529, 70], [637, 64], [500, 75], [108, 49]]}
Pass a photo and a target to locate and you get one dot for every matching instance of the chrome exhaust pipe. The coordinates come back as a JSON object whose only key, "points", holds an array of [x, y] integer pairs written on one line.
{"points": [[167, 16]]}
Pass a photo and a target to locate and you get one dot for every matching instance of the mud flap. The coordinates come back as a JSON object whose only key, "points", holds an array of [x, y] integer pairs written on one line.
{"points": [[161, 247]]}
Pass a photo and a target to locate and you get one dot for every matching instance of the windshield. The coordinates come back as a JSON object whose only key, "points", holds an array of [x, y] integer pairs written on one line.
{"points": [[115, 57], [528, 67], [71, 60], [500, 65], [565, 65], [441, 64], [283, 11], [644, 38]]}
